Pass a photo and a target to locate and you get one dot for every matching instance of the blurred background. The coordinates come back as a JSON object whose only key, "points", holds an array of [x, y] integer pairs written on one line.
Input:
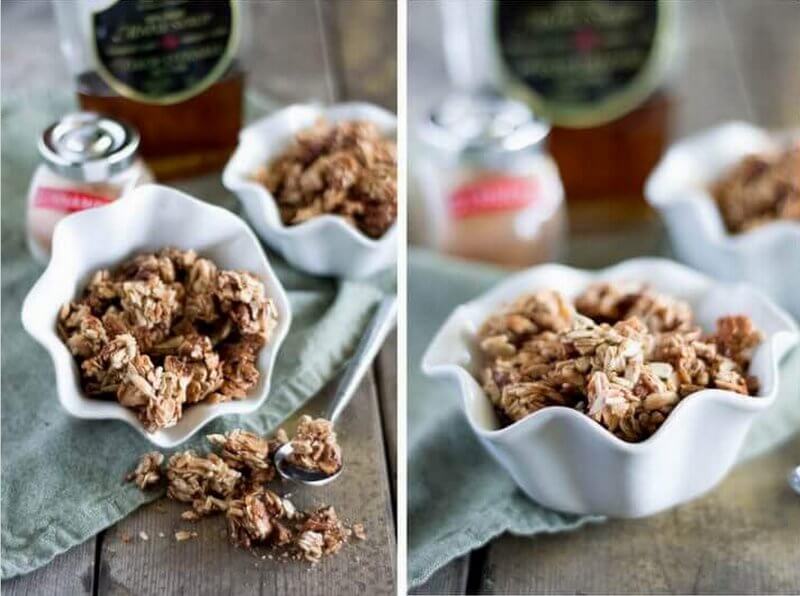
{"points": [[721, 61]]}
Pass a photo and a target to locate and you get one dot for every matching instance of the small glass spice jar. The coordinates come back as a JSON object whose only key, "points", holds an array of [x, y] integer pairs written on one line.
{"points": [[491, 191], [88, 161]]}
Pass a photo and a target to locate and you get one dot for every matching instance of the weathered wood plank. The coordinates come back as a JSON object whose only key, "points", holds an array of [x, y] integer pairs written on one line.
{"points": [[450, 579], [363, 38], [766, 50], [210, 565], [70, 573], [386, 377], [287, 59], [740, 539]]}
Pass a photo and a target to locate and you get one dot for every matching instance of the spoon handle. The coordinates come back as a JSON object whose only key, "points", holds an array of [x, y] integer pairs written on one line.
{"points": [[382, 322]]}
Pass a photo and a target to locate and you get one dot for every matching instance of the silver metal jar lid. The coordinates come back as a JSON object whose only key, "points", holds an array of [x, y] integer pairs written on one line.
{"points": [[483, 122], [88, 147]]}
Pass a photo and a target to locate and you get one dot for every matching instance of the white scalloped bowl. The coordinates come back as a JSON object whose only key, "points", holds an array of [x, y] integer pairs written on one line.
{"points": [[767, 257], [566, 461], [323, 245], [148, 218]]}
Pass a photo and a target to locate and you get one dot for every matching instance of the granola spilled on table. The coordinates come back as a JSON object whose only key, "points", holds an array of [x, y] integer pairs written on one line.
{"points": [[167, 330], [623, 355], [233, 482], [345, 168], [760, 189]]}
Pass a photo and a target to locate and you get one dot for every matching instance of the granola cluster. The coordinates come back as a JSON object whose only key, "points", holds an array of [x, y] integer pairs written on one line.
{"points": [[622, 354], [760, 189], [345, 168], [233, 481], [167, 330], [314, 446]]}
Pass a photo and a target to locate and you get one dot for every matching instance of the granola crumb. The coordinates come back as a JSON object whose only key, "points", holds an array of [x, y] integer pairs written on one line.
{"points": [[148, 470], [359, 532], [125, 537], [182, 535]]}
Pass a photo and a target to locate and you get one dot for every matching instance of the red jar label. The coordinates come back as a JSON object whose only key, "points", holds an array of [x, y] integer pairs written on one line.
{"points": [[493, 194], [68, 201]]}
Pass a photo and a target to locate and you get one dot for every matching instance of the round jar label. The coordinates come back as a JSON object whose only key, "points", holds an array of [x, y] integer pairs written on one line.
{"points": [[163, 51], [493, 194], [582, 63]]}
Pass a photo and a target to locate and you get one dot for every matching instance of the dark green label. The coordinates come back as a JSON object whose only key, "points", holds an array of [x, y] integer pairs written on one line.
{"points": [[164, 51], [581, 62]]}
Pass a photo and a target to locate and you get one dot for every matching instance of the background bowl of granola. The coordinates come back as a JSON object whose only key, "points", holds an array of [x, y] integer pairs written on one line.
{"points": [[747, 237], [564, 459], [322, 243], [148, 219]]}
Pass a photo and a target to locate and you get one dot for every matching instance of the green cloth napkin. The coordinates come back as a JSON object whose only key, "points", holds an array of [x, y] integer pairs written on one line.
{"points": [[458, 497], [62, 477]]}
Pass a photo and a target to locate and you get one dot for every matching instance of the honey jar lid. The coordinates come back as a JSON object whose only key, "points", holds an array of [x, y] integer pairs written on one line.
{"points": [[484, 122], [88, 147]]}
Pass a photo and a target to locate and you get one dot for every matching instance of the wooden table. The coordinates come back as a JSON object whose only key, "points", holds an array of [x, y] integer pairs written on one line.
{"points": [[301, 51], [740, 61]]}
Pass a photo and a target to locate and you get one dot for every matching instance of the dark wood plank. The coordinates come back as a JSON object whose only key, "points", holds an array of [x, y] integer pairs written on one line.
{"points": [[386, 377], [740, 539], [287, 59], [30, 49], [70, 573], [707, 84], [766, 51], [210, 565], [363, 36], [450, 579]]}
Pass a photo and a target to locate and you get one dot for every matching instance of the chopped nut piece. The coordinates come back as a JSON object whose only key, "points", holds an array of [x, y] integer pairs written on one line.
{"points": [[315, 447], [143, 535], [148, 471], [627, 369], [345, 168]]}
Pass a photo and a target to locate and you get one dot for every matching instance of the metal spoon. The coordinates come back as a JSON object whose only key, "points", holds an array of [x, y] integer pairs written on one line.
{"points": [[382, 322], [794, 479]]}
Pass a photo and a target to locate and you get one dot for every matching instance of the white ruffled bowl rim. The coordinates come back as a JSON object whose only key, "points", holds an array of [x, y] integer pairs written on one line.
{"points": [[41, 306], [240, 182], [448, 352]]}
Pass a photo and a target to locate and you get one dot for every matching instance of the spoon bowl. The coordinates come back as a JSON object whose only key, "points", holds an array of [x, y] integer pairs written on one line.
{"points": [[298, 474]]}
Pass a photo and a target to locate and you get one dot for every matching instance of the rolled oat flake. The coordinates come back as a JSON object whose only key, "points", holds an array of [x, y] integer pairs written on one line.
{"points": [[89, 160]]}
